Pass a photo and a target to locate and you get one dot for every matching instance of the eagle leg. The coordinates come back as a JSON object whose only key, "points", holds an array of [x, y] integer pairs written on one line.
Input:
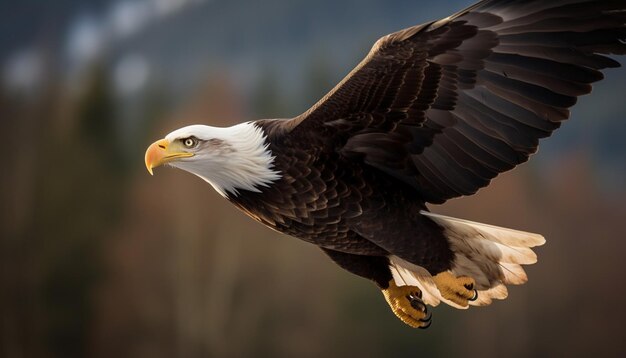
{"points": [[406, 303], [459, 290]]}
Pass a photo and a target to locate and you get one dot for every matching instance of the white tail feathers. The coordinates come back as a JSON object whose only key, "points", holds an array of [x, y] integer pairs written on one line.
{"points": [[491, 255]]}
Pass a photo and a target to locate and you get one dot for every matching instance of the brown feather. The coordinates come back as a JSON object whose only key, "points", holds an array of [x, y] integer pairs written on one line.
{"points": [[508, 71]]}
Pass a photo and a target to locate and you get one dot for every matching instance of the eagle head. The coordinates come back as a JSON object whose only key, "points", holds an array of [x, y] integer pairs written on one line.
{"points": [[230, 159]]}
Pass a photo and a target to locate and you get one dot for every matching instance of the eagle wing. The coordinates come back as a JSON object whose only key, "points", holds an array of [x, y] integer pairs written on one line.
{"points": [[447, 106]]}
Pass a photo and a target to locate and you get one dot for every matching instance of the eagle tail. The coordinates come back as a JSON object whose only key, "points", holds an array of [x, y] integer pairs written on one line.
{"points": [[493, 256]]}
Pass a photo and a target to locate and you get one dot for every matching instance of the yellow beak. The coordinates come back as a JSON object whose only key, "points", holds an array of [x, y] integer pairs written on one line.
{"points": [[162, 152]]}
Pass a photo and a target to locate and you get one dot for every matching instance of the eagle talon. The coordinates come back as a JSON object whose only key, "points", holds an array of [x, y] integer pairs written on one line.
{"points": [[459, 290], [407, 305]]}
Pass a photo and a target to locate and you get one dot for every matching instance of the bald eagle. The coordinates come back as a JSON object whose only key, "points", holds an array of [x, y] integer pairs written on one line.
{"points": [[433, 112]]}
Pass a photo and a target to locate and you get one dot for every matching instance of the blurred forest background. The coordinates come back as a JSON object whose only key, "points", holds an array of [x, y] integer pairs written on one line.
{"points": [[99, 259]]}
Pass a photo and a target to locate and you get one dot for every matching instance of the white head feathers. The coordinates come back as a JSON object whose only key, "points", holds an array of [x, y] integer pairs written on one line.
{"points": [[228, 158]]}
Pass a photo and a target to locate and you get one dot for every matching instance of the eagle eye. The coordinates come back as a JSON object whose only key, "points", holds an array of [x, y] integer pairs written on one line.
{"points": [[190, 142]]}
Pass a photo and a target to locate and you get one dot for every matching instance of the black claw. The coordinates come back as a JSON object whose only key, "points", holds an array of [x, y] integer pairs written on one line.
{"points": [[427, 325], [474, 297], [415, 299], [417, 303]]}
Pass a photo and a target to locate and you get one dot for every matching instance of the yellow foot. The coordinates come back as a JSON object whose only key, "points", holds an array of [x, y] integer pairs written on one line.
{"points": [[406, 303], [459, 290]]}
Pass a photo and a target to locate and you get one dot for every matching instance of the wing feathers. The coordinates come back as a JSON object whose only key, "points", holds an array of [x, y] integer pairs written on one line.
{"points": [[512, 110], [549, 68], [562, 55], [448, 105], [532, 92]]}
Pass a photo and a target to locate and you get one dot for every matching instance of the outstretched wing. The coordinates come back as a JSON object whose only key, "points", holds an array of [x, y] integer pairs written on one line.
{"points": [[447, 106]]}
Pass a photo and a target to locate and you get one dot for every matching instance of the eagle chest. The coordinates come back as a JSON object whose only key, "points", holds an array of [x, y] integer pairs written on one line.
{"points": [[317, 200]]}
